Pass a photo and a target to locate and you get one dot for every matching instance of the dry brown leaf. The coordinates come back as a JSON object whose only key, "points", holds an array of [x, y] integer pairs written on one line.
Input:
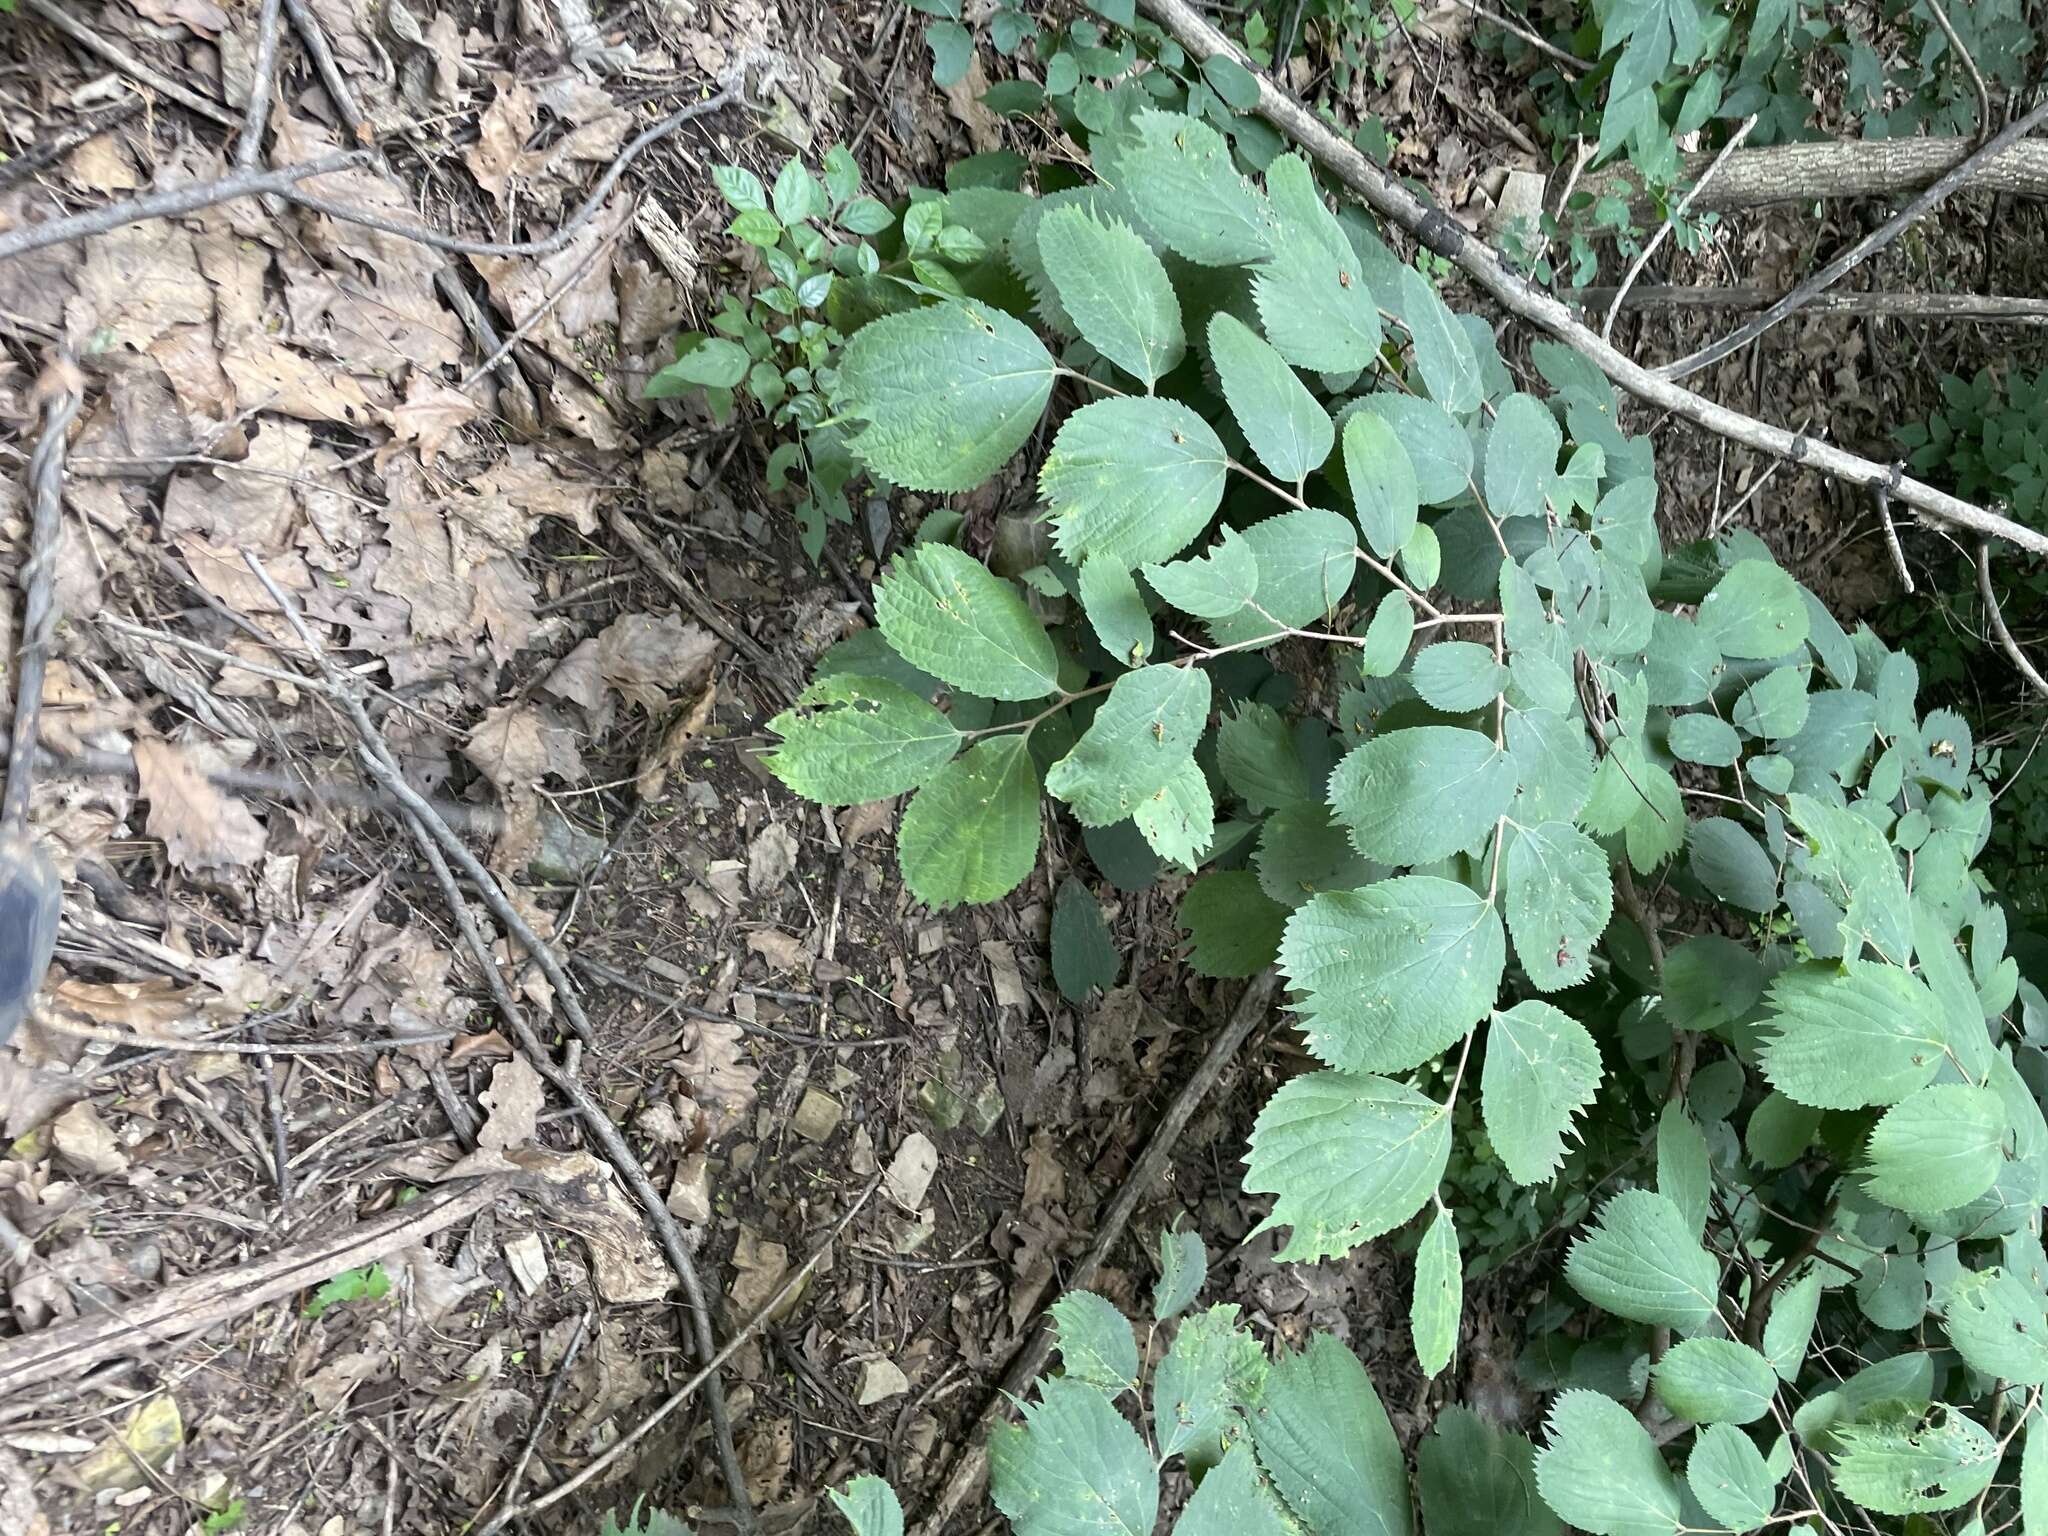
{"points": [[573, 285], [158, 1008], [422, 565], [651, 778], [575, 407], [864, 821], [272, 377], [647, 658], [502, 131], [102, 164], [191, 362], [252, 504], [137, 283], [84, 1140], [514, 1099], [527, 484], [29, 1095], [650, 306], [432, 411], [718, 1077], [503, 606], [202, 828], [515, 746], [582, 1194], [577, 680]]}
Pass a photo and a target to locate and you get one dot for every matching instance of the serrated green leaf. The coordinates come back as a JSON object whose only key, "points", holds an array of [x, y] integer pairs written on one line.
{"points": [[852, 739], [1140, 738], [1116, 291], [1382, 477], [1999, 1325], [1553, 765], [1779, 1130], [1075, 1467], [1439, 1297], [1860, 1034], [1892, 1291], [1789, 1328], [1260, 759], [1327, 1442], [1903, 1462], [1303, 852], [1641, 1262], [1443, 352], [1726, 1473], [1183, 1266], [1116, 611], [1710, 981], [1212, 585], [1233, 927], [1558, 895], [1212, 1375], [1478, 1479], [971, 833], [1681, 665], [1178, 819], [1387, 636], [1392, 974], [1083, 957], [1775, 705], [1857, 869], [1730, 862], [1521, 457], [1754, 613], [1542, 1068], [1291, 434], [864, 653], [1715, 1381], [1310, 290], [1602, 1473], [1419, 795], [1439, 450], [2034, 1478], [1306, 561], [870, 1507], [1095, 1342], [1233, 1499], [1684, 1172], [949, 392], [1349, 1158], [1179, 175], [1131, 480], [945, 613], [1936, 1149], [1457, 676]]}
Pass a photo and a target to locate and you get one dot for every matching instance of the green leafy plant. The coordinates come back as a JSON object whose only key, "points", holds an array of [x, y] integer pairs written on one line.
{"points": [[370, 1283], [778, 349], [1388, 651]]}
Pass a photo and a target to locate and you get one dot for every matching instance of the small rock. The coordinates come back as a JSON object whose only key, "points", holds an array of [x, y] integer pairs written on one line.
{"points": [[700, 796], [528, 1259], [910, 1171], [566, 853], [986, 1110], [908, 1236], [1520, 208], [941, 1105], [881, 1379], [817, 1117]]}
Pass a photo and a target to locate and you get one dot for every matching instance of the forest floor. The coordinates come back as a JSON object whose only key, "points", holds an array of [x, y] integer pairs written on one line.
{"points": [[569, 613]]}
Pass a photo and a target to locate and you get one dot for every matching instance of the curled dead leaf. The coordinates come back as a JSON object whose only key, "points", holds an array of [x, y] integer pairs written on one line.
{"points": [[202, 827]]}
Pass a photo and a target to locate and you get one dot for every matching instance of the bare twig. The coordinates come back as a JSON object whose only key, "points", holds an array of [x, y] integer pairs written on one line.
{"points": [[1955, 42], [650, 555], [1996, 615], [1891, 534], [280, 1145], [1649, 249], [542, 310], [1991, 308], [164, 205], [1541, 44], [1446, 238], [1868, 246], [625, 983], [56, 1023], [706, 1374], [127, 63], [60, 144], [261, 71], [510, 1487], [1721, 519], [62, 390], [970, 1472]]}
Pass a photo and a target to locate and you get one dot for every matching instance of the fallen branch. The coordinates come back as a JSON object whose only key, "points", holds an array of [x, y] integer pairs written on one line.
{"points": [[1846, 168], [649, 554], [1440, 234], [1996, 615], [1921, 205], [1642, 258], [970, 1472], [707, 1373], [58, 145], [1900, 306], [204, 1301]]}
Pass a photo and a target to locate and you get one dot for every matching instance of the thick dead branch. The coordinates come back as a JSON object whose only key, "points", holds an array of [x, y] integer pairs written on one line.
{"points": [[1922, 204], [2003, 635], [191, 1306], [1804, 173], [1444, 236], [1989, 308], [970, 1472]]}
